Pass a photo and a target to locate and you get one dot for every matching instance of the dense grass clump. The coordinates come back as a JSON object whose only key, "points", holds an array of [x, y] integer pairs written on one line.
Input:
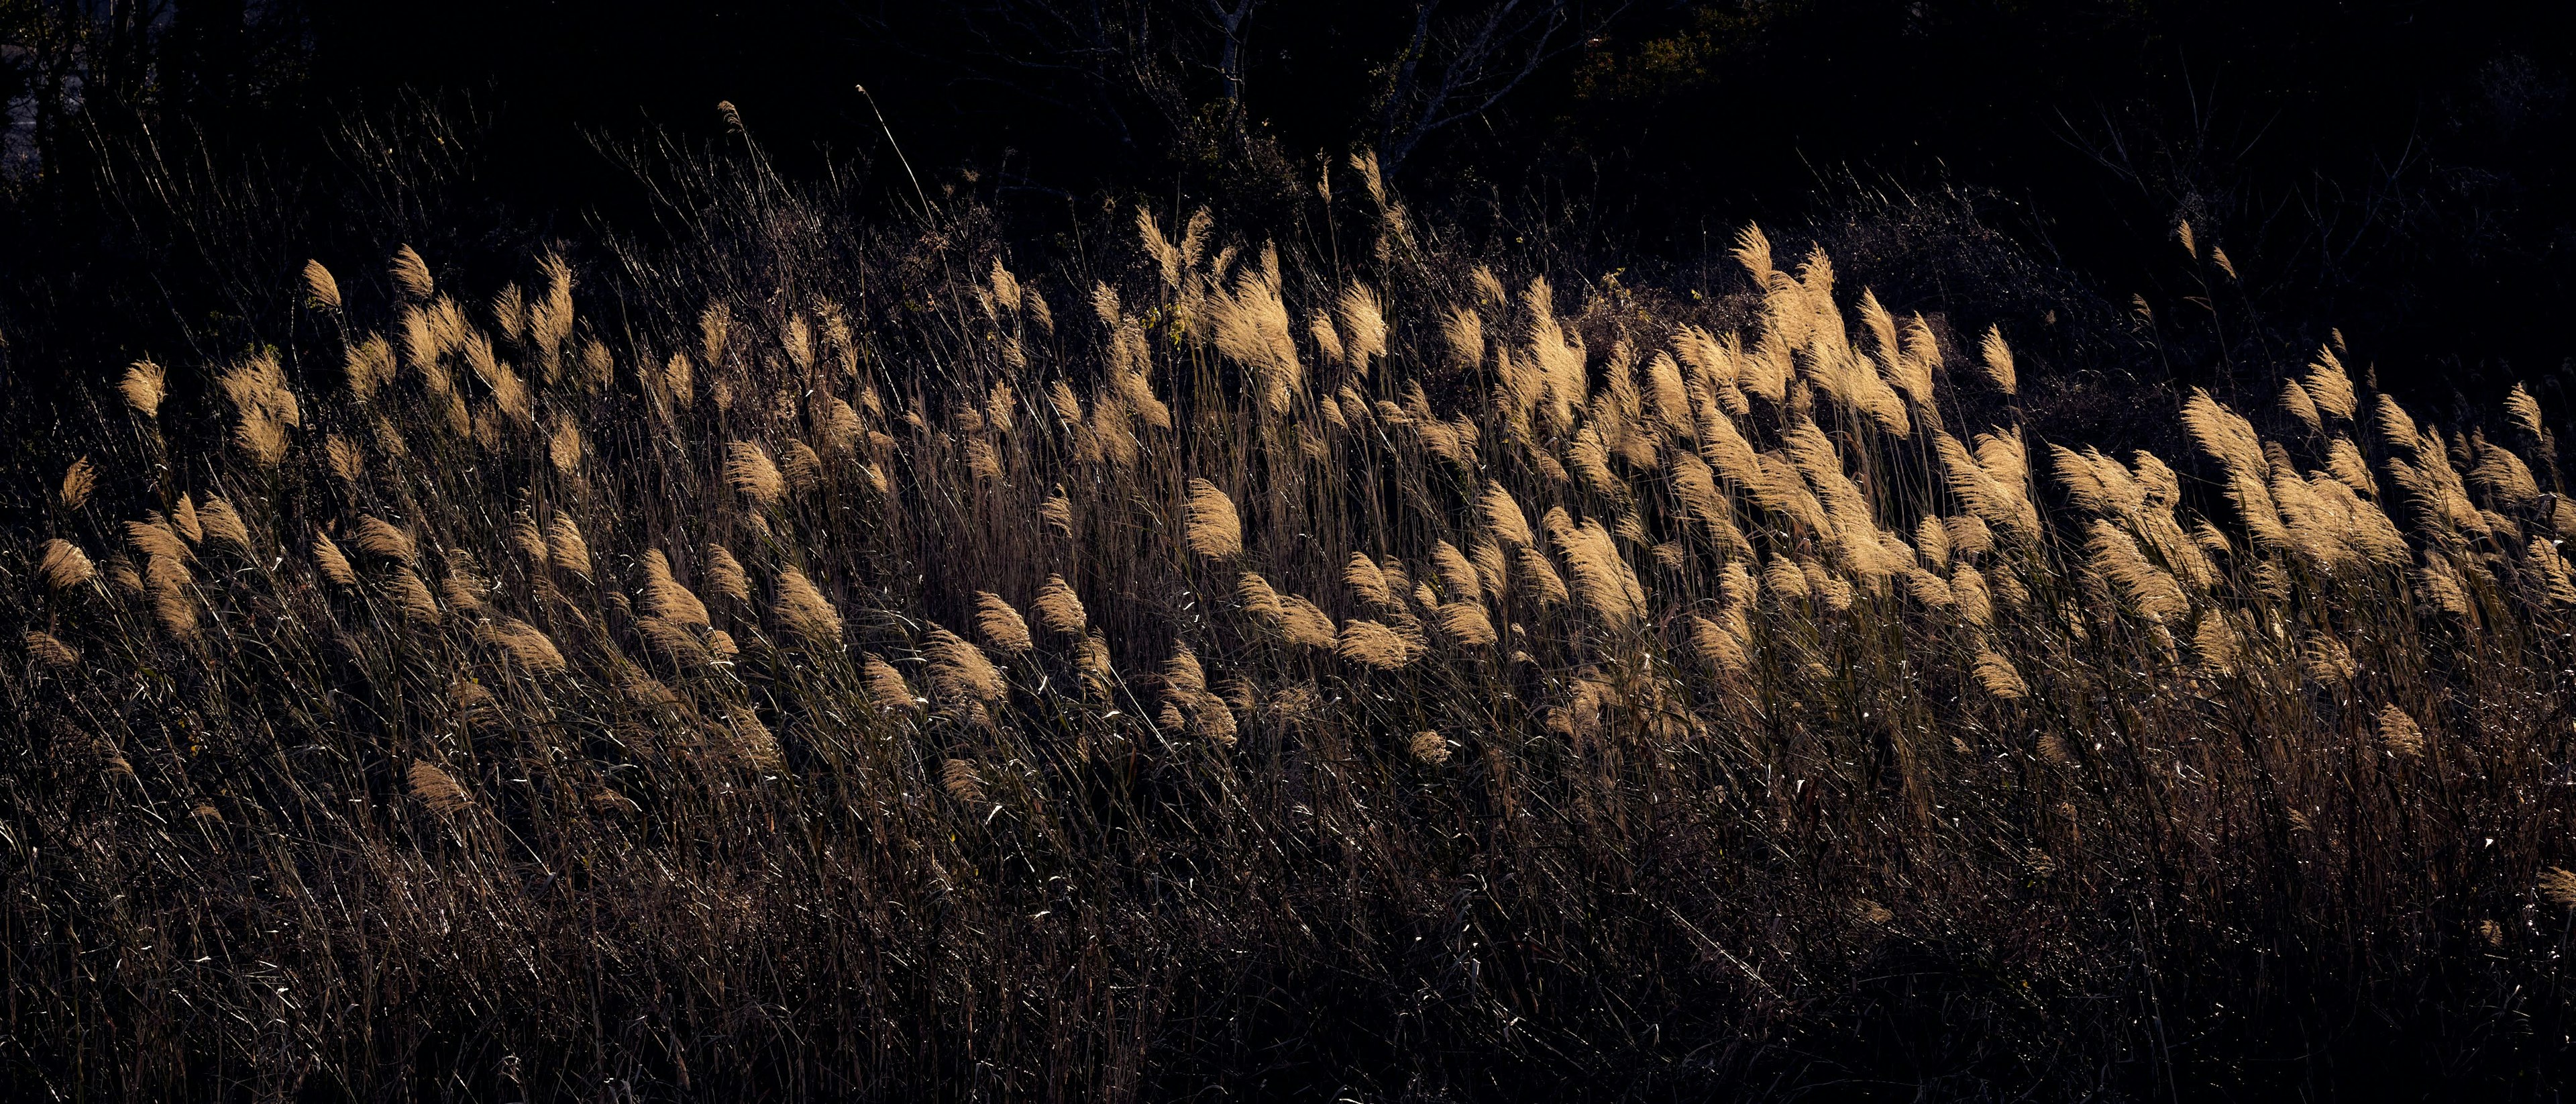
{"points": [[853, 670]]}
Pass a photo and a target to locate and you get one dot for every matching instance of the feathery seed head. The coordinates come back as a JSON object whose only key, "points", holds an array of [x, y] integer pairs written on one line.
{"points": [[321, 291], [411, 274], [1428, 748], [1306, 625], [1373, 645], [523, 643], [1368, 583], [565, 547], [376, 537], [1212, 528], [1997, 359], [2523, 410], [220, 522], [167, 582], [411, 597], [885, 686], [725, 576], [2399, 733], [436, 788], [2330, 385], [143, 386], [749, 470], [1059, 610], [335, 565], [2558, 887], [156, 538], [1466, 623], [63, 566], [1000, 625], [803, 610], [957, 776], [959, 671], [50, 652], [78, 482], [1996, 676]]}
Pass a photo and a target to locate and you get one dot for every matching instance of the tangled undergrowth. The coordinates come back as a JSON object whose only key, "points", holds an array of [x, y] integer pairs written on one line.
{"points": [[1254, 671]]}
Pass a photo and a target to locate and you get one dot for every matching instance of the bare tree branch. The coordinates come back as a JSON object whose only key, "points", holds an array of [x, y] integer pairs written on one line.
{"points": [[1458, 66]]}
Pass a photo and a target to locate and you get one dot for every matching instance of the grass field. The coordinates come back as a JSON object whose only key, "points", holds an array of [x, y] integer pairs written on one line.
{"points": [[801, 664]]}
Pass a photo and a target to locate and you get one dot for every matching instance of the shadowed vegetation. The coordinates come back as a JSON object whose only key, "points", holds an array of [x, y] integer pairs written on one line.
{"points": [[846, 659]]}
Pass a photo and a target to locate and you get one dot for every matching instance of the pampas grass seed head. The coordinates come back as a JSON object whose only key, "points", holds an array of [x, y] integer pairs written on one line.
{"points": [[725, 576], [565, 547], [1212, 528], [437, 789], [2558, 887], [665, 597], [411, 597], [804, 611], [220, 522], [335, 565], [886, 688], [377, 537], [1059, 609], [1466, 623], [1000, 625], [957, 776], [320, 289], [1428, 748], [1368, 582], [50, 652], [1306, 625], [524, 644], [78, 482], [1996, 675], [959, 671], [142, 387], [748, 468], [156, 538], [63, 566], [2399, 733], [1373, 645], [1997, 358], [411, 274]]}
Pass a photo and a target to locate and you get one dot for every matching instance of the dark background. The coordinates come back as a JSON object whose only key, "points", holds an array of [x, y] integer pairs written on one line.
{"points": [[2399, 170]]}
